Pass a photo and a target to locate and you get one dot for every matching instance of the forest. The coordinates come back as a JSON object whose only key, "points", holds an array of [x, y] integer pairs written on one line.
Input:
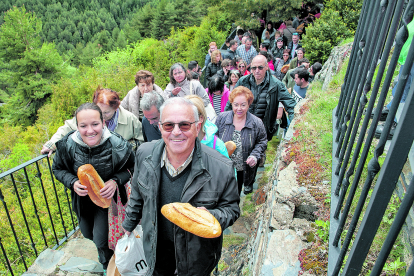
{"points": [[54, 54]]}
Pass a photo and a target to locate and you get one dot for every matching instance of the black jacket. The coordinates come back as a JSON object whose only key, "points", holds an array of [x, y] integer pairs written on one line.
{"points": [[211, 70], [253, 136], [276, 92], [113, 159], [211, 184]]}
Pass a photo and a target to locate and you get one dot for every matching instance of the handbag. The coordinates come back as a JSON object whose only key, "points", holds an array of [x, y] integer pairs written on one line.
{"points": [[116, 215], [211, 113]]}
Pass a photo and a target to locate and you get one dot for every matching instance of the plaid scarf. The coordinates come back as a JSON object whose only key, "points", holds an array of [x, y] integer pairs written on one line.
{"points": [[112, 123]]}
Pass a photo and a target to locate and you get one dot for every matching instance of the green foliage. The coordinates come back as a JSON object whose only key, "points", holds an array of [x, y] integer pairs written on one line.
{"points": [[323, 229], [30, 67], [19, 32], [395, 268], [323, 35], [248, 206], [349, 11]]}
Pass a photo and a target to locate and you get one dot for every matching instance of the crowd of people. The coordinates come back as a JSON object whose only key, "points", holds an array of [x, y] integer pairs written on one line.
{"points": [[157, 146]]}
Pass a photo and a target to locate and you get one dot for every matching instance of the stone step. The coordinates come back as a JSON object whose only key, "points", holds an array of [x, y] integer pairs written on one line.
{"points": [[77, 257]]}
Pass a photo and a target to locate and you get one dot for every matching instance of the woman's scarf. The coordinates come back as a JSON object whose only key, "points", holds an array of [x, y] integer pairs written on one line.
{"points": [[111, 124]]}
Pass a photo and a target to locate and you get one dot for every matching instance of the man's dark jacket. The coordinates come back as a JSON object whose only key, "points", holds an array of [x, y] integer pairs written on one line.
{"points": [[276, 92], [210, 184]]}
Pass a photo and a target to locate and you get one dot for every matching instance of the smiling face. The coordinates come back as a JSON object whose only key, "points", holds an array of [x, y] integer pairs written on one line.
{"points": [[178, 74], [298, 81], [179, 144], [107, 111], [240, 106], [234, 78], [90, 126], [285, 56], [300, 54], [295, 39], [242, 67]]}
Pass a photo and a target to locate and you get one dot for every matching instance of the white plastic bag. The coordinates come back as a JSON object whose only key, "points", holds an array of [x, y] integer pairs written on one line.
{"points": [[130, 258]]}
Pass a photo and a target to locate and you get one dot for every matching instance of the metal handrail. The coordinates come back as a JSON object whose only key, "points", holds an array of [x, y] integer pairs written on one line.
{"points": [[51, 227], [377, 29]]}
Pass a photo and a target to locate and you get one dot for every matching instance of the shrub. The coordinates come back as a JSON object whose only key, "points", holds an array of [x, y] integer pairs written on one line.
{"points": [[323, 35], [349, 11]]}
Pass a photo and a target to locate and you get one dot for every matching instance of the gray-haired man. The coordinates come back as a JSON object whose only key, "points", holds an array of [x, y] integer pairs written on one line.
{"points": [[150, 104]]}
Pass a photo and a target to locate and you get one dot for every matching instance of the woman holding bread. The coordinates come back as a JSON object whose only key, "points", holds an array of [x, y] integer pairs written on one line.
{"points": [[112, 158], [247, 132]]}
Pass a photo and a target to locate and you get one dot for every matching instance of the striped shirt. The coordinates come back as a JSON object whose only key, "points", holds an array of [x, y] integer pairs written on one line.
{"points": [[217, 103], [247, 56], [170, 168]]}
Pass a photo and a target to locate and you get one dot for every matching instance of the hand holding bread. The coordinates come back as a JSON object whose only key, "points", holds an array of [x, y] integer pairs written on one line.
{"points": [[230, 146], [194, 220], [90, 178]]}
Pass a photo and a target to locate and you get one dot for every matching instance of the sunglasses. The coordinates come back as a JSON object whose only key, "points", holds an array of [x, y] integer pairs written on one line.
{"points": [[241, 66], [295, 34], [258, 67], [183, 126], [285, 55]]}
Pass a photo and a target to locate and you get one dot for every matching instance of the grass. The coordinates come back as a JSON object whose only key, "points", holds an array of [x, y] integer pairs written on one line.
{"points": [[248, 206], [229, 240], [311, 148]]}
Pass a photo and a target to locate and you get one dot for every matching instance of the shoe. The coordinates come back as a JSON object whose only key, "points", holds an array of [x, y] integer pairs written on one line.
{"points": [[380, 129], [384, 114], [248, 189]]}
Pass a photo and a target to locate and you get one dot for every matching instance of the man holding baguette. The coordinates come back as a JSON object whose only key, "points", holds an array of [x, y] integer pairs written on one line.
{"points": [[178, 168]]}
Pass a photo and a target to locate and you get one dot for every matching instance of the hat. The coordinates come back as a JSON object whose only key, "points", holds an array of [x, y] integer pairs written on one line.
{"points": [[284, 69], [279, 38]]}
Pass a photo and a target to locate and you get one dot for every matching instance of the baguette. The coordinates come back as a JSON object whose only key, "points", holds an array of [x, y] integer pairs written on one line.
{"points": [[90, 178], [231, 147], [196, 221]]}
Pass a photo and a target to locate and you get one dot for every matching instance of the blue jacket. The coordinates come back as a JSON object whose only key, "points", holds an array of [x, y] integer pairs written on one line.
{"points": [[213, 141]]}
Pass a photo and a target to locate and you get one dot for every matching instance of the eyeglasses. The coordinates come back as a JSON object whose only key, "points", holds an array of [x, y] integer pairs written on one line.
{"points": [[241, 66], [258, 67], [184, 126], [285, 55]]}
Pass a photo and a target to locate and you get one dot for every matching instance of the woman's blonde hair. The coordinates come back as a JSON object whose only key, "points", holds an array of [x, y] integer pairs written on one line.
{"points": [[214, 54], [198, 102]]}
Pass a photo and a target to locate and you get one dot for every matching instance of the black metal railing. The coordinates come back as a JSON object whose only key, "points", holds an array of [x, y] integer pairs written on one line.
{"points": [[371, 60], [36, 214]]}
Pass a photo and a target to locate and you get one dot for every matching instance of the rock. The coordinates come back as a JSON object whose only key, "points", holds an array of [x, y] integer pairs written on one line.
{"points": [[46, 262], [287, 181], [78, 264], [283, 213], [81, 247], [333, 64], [282, 254]]}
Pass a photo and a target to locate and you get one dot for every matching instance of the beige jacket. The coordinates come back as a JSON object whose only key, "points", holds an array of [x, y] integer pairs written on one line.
{"points": [[128, 127], [132, 99], [197, 89]]}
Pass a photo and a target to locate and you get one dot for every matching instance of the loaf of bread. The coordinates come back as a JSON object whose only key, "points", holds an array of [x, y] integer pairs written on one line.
{"points": [[90, 178], [285, 68], [231, 147], [196, 221]]}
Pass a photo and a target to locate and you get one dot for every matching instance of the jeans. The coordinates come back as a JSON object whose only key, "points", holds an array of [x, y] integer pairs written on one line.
{"points": [[94, 226]]}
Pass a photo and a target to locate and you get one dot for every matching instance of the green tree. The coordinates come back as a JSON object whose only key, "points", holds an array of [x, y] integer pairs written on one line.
{"points": [[19, 32]]}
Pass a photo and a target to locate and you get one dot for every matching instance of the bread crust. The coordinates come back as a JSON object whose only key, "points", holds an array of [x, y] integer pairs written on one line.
{"points": [[194, 220], [89, 177], [231, 147]]}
